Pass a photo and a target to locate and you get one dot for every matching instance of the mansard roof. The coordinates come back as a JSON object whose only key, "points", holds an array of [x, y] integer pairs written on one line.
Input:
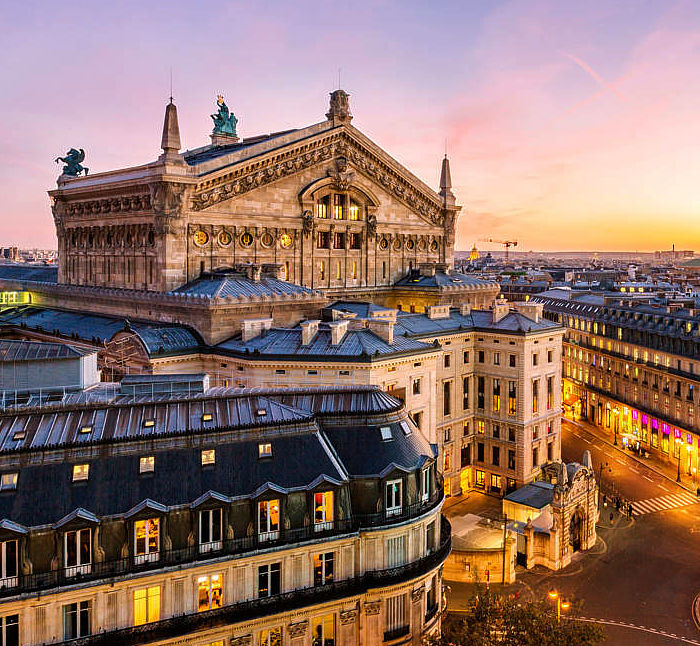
{"points": [[419, 325], [330, 440], [39, 351], [157, 338], [356, 344], [443, 280], [237, 285]]}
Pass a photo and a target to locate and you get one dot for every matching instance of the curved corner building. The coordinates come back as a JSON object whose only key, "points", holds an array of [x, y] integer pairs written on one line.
{"points": [[257, 518]]}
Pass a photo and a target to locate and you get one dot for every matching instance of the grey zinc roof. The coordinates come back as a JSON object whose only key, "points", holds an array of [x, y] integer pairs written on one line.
{"points": [[298, 460], [126, 418], [364, 453], [441, 280], [362, 309], [93, 327], [422, 325], [34, 273], [206, 153], [235, 286], [286, 342], [39, 351], [536, 495]]}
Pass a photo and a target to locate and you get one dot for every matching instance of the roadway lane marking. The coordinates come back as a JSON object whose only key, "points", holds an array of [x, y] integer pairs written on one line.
{"points": [[664, 488], [620, 461], [633, 469], [662, 503], [622, 624], [647, 478]]}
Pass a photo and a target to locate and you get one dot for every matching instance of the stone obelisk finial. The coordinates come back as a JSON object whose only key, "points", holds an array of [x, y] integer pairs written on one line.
{"points": [[170, 142]]}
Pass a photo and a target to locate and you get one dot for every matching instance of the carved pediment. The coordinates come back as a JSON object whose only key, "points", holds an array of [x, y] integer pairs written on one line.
{"points": [[351, 157]]}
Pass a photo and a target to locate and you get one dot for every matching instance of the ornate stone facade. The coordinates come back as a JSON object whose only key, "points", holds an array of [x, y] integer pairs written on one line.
{"points": [[324, 202]]}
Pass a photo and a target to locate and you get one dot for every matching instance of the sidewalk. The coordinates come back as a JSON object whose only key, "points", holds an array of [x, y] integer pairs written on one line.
{"points": [[653, 462]]}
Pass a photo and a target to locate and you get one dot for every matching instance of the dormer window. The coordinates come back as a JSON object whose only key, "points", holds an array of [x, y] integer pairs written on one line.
{"points": [[210, 534], [269, 520], [147, 464], [265, 450], [9, 563], [8, 481], [81, 472], [323, 511], [78, 552], [386, 433], [84, 430], [146, 540], [207, 417], [393, 497], [149, 423], [208, 457]]}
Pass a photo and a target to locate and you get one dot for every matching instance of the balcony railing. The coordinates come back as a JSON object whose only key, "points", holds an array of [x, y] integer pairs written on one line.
{"points": [[235, 546], [253, 609]]}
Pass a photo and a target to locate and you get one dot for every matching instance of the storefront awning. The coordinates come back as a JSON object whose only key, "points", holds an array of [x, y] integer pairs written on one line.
{"points": [[570, 400]]}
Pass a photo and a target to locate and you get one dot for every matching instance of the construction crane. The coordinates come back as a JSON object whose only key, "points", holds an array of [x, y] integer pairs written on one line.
{"points": [[506, 243]]}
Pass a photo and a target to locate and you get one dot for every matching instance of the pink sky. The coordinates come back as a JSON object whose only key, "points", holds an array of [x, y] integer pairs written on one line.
{"points": [[569, 125]]}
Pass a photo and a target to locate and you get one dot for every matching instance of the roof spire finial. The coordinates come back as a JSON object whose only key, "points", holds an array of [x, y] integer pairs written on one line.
{"points": [[446, 180], [170, 142]]}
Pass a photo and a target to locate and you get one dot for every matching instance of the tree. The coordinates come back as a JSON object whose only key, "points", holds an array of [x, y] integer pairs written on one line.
{"points": [[494, 619]]}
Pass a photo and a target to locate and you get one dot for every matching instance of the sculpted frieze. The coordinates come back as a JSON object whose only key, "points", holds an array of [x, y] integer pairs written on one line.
{"points": [[124, 204], [253, 176]]}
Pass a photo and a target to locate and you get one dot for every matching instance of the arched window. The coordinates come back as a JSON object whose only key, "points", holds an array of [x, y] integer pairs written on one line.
{"points": [[341, 206]]}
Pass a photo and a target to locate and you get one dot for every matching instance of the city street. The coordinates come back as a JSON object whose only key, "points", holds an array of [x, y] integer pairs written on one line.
{"points": [[644, 571]]}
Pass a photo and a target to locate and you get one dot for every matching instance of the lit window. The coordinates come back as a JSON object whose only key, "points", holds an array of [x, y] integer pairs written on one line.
{"points": [[80, 472], [208, 456], [86, 429], [393, 497], [265, 450], [323, 510], [207, 417], [146, 540], [323, 568], [147, 464], [149, 423], [323, 630], [146, 605], [386, 433], [269, 520], [19, 435], [210, 530], [209, 592], [77, 620], [8, 481], [77, 552], [269, 637], [354, 213], [268, 580]]}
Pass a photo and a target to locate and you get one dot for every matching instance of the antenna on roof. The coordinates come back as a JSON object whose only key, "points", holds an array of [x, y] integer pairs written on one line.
{"points": [[339, 69], [171, 84]]}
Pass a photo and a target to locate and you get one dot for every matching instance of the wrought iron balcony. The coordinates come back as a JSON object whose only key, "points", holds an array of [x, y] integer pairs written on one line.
{"points": [[193, 554], [253, 609]]}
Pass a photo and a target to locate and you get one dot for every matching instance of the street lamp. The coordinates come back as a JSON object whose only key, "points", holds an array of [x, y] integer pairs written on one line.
{"points": [[561, 603], [617, 423], [679, 441]]}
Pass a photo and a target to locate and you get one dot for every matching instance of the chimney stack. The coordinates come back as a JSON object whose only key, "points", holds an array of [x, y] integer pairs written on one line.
{"points": [[338, 331], [308, 331], [383, 328], [250, 328], [500, 308]]}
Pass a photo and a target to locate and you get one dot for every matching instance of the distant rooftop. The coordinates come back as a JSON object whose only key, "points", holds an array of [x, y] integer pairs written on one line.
{"points": [[156, 337], [232, 284], [33, 273], [39, 351]]}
